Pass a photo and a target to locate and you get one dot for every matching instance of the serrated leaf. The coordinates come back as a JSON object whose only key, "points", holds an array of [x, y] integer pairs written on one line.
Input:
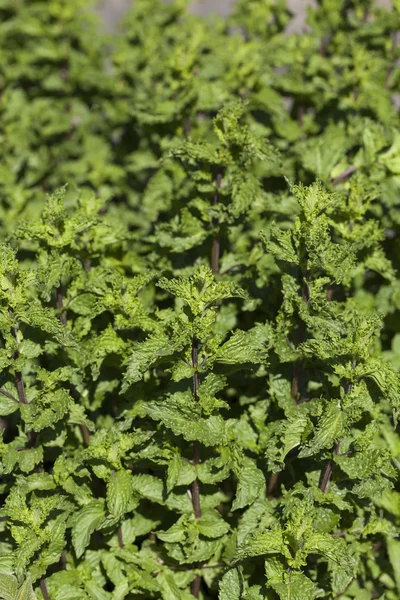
{"points": [[294, 586], [280, 244], [26, 591], [180, 472], [86, 521], [119, 492], [201, 290], [8, 587], [143, 356], [230, 587], [328, 431], [182, 421], [251, 484], [7, 406], [245, 347], [260, 544], [212, 525]]}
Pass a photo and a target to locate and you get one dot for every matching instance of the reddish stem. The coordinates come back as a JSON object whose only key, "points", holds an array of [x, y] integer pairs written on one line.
{"points": [[215, 250], [196, 446], [298, 366], [196, 586], [273, 480], [120, 538], [21, 388], [196, 455], [43, 587], [329, 467], [328, 471], [300, 115], [60, 306], [346, 173], [8, 395], [85, 434]]}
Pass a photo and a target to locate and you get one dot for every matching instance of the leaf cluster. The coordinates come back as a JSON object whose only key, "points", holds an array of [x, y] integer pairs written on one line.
{"points": [[199, 303]]}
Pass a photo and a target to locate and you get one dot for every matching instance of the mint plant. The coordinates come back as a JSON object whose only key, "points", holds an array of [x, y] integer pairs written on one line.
{"points": [[199, 296], [54, 90]]}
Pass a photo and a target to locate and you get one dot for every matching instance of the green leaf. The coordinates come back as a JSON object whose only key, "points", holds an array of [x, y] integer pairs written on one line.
{"points": [[170, 589], [230, 587], [201, 290], [182, 421], [280, 244], [246, 347], [313, 199], [212, 525], [86, 521], [260, 544], [8, 587], [26, 591], [119, 492], [7, 406], [393, 547], [294, 586], [251, 483], [329, 429], [180, 472], [144, 355]]}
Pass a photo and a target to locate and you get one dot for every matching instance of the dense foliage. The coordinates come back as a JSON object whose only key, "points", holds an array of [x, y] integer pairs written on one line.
{"points": [[199, 303]]}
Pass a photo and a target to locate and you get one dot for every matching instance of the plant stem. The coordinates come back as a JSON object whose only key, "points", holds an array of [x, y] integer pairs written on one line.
{"points": [[329, 467], [196, 455], [20, 386], [296, 378], [43, 587], [344, 533], [273, 480], [215, 250], [18, 375], [301, 332], [63, 319], [60, 306], [237, 266], [190, 567], [195, 485], [298, 365], [19, 382], [187, 567], [8, 395], [22, 400], [120, 538], [346, 173], [196, 446], [300, 115], [196, 586], [31, 435], [85, 434]]}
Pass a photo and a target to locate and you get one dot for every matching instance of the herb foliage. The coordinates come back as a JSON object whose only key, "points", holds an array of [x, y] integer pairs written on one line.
{"points": [[199, 303]]}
